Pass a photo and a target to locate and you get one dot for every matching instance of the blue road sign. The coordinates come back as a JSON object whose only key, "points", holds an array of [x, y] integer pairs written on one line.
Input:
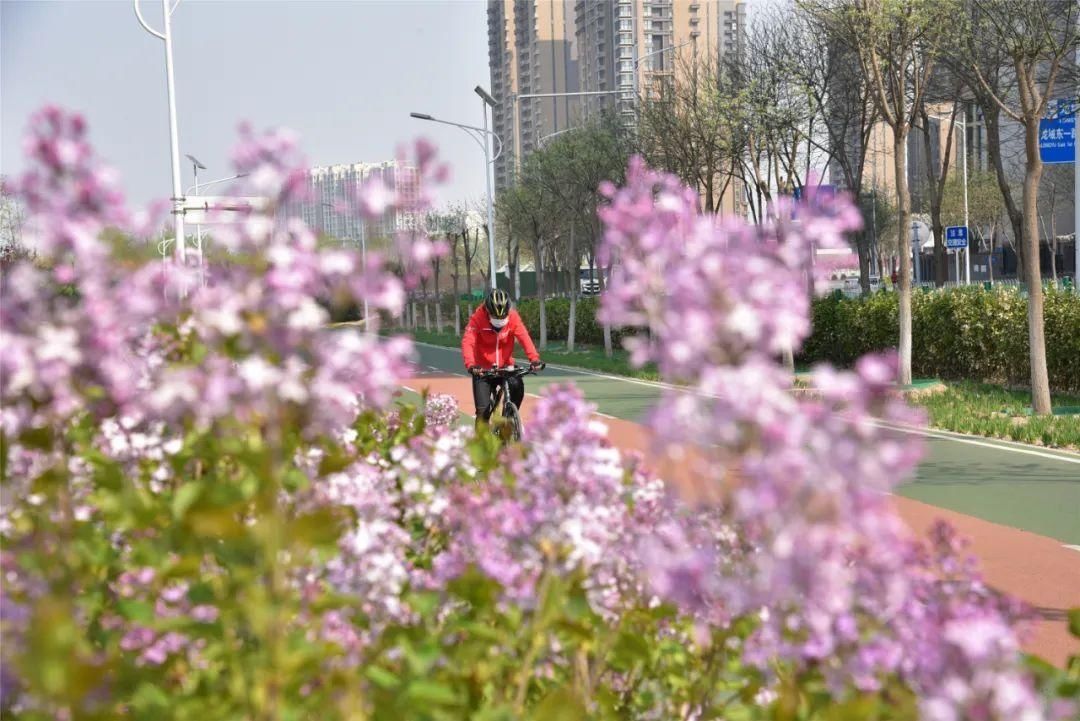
{"points": [[956, 236], [1057, 139]]}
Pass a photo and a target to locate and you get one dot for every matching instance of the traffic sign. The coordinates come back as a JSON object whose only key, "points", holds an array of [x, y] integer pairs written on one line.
{"points": [[956, 236], [1057, 139]]}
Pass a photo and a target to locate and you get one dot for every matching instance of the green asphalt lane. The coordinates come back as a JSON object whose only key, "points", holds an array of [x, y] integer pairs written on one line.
{"points": [[1026, 487]]}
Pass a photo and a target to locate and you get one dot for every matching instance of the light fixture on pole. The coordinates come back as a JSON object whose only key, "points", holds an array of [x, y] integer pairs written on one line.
{"points": [[196, 166], [473, 131], [177, 199], [488, 101]]}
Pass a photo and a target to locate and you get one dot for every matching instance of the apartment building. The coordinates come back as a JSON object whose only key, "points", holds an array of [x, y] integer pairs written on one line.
{"points": [[626, 47], [614, 48], [532, 50], [332, 207]]}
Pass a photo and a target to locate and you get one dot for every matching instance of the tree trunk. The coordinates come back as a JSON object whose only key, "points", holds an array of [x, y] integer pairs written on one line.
{"points": [[469, 253], [941, 267], [903, 222], [1040, 380], [438, 297], [991, 118], [608, 350], [862, 247], [990, 260], [457, 294], [540, 292], [571, 322]]}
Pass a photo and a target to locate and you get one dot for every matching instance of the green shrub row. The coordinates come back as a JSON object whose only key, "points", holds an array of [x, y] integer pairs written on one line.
{"points": [[957, 333], [967, 333]]}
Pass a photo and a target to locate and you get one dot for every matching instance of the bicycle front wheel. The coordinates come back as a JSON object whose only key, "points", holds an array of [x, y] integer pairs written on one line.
{"points": [[512, 421]]}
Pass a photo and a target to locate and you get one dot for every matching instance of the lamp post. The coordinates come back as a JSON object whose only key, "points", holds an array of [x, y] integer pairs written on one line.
{"points": [[195, 167], [473, 131], [164, 244], [177, 199], [486, 102]]}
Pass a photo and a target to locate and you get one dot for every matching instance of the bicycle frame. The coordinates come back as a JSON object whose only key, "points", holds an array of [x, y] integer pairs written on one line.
{"points": [[501, 394]]}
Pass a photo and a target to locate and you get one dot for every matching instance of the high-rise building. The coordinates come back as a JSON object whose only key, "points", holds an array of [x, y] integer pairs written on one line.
{"points": [[616, 48], [333, 208], [626, 46], [531, 50]]}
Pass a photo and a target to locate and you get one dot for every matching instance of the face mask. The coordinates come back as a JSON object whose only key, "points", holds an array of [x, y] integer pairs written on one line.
{"points": [[498, 322]]}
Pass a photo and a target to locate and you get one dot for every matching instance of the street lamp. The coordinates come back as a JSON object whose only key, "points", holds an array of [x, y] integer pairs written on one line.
{"points": [[473, 132], [164, 244], [195, 167], [637, 60], [541, 139], [488, 102], [177, 199]]}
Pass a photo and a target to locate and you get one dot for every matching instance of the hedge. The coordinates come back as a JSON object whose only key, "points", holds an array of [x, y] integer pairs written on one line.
{"points": [[964, 333]]}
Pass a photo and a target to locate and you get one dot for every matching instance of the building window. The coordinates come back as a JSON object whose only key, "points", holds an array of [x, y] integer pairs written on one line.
{"points": [[626, 25]]}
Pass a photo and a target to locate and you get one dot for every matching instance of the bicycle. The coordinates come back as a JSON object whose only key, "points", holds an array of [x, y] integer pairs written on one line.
{"points": [[508, 426]]}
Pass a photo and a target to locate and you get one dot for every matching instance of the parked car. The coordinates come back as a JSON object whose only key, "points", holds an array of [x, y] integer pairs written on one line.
{"points": [[589, 285]]}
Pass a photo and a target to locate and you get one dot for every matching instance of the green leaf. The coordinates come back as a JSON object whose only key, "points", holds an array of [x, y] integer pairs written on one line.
{"points": [[856, 709], [431, 692], [1074, 622], [562, 704], [139, 611], [382, 678], [185, 497], [40, 439], [318, 528], [629, 649]]}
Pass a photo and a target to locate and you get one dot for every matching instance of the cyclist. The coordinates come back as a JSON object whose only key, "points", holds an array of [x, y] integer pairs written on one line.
{"points": [[488, 342]]}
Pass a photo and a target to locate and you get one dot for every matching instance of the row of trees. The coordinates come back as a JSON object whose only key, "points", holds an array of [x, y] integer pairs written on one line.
{"points": [[819, 85], [822, 82]]}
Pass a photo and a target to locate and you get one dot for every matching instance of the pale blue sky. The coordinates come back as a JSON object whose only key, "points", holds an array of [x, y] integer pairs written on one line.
{"points": [[345, 75]]}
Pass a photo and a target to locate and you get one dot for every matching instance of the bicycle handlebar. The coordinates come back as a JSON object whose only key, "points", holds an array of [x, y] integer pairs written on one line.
{"points": [[514, 371]]}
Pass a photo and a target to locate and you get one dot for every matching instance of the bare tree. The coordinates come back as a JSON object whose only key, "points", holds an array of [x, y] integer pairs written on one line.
{"points": [[690, 125], [1037, 38], [528, 206], [937, 172], [1055, 194], [897, 43]]}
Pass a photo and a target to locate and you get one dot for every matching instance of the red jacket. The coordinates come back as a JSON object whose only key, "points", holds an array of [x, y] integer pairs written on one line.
{"points": [[482, 345]]}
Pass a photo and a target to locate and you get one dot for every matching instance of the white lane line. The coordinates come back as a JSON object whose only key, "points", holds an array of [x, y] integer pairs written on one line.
{"points": [[1064, 456], [996, 444]]}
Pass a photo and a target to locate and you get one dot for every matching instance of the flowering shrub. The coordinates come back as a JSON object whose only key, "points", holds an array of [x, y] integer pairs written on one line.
{"points": [[211, 509]]}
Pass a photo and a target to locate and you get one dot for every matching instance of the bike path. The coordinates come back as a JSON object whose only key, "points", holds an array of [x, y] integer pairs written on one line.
{"points": [[1024, 487], [1037, 569]]}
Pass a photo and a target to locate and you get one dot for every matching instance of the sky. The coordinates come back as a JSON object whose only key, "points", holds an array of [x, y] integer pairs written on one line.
{"points": [[344, 75]]}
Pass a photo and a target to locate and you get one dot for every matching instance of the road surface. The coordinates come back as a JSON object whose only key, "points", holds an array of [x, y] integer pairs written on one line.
{"points": [[1020, 505]]}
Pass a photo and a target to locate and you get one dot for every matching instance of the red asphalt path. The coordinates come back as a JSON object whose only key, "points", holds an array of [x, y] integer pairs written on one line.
{"points": [[1031, 567]]}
